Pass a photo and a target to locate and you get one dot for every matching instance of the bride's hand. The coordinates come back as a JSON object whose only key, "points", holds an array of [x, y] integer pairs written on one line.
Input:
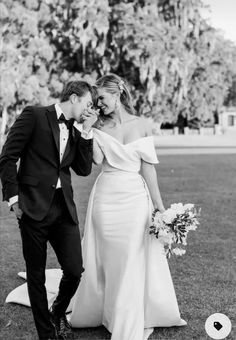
{"points": [[160, 210], [89, 118], [18, 212]]}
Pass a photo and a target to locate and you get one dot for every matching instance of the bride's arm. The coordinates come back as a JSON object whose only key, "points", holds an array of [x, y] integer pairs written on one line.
{"points": [[150, 176], [98, 155]]}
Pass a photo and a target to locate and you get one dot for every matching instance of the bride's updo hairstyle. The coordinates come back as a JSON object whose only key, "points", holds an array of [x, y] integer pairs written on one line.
{"points": [[115, 85]]}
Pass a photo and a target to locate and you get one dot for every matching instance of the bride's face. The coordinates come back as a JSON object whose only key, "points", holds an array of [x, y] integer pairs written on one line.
{"points": [[106, 101]]}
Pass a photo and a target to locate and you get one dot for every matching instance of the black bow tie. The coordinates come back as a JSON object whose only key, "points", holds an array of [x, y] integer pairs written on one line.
{"points": [[69, 123]]}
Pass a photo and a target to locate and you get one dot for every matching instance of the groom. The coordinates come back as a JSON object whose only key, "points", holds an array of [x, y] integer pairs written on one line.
{"points": [[40, 193]]}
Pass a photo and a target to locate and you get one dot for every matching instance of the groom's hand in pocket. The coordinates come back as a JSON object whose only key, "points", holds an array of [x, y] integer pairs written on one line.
{"points": [[18, 212]]}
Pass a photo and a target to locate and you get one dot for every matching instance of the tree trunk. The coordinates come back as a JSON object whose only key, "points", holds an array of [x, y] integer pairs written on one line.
{"points": [[4, 121]]}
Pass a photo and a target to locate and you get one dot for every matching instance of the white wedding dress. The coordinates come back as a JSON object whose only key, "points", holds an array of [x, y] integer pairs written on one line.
{"points": [[126, 286]]}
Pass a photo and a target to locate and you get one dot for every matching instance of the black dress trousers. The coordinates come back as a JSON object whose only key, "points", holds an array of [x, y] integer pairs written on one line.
{"points": [[63, 234]]}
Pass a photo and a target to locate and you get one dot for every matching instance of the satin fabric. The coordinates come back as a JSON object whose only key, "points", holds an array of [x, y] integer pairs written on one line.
{"points": [[126, 285]]}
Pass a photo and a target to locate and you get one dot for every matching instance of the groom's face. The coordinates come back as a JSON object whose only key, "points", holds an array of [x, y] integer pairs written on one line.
{"points": [[80, 104]]}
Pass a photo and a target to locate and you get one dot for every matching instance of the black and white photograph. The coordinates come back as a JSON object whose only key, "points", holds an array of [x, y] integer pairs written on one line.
{"points": [[117, 169]]}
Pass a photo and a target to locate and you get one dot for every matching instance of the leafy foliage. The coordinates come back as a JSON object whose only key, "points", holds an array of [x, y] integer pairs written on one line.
{"points": [[26, 56], [176, 63], [170, 56]]}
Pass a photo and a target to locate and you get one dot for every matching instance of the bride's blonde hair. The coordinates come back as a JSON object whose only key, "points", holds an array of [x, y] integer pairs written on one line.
{"points": [[116, 85]]}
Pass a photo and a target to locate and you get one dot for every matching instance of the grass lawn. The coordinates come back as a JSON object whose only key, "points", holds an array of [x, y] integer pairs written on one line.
{"points": [[204, 279]]}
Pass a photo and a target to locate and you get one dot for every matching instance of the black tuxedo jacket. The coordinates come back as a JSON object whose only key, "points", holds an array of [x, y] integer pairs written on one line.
{"points": [[34, 139]]}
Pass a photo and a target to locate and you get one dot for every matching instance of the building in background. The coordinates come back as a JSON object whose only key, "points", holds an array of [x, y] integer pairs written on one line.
{"points": [[227, 119]]}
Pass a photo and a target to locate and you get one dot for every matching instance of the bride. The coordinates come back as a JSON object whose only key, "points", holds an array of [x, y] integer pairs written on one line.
{"points": [[126, 285]]}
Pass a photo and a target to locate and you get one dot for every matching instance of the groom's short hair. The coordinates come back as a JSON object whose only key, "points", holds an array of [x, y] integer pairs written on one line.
{"points": [[79, 87]]}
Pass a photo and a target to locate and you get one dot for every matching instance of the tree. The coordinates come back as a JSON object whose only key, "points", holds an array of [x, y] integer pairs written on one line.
{"points": [[78, 30], [172, 43], [169, 55], [25, 61]]}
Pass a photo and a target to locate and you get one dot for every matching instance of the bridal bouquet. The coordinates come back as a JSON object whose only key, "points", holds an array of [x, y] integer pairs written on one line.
{"points": [[172, 226]]}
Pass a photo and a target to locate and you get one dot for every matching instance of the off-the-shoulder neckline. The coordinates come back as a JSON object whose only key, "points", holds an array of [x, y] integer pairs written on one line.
{"points": [[134, 141]]}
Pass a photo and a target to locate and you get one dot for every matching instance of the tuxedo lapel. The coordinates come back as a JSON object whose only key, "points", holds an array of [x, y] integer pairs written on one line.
{"points": [[53, 122]]}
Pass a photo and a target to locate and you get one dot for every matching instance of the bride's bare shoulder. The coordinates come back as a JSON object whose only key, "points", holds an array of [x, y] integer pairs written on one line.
{"points": [[145, 126]]}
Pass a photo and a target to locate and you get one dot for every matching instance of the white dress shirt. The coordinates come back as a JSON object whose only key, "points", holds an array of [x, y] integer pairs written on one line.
{"points": [[63, 139]]}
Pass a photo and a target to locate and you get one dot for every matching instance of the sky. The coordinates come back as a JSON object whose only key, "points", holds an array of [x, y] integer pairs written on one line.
{"points": [[222, 15]]}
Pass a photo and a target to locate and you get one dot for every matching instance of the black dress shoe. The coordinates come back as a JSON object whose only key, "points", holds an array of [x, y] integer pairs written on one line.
{"points": [[52, 337], [62, 326]]}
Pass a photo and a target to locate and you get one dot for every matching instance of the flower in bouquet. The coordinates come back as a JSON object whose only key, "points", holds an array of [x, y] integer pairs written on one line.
{"points": [[172, 226], [165, 236], [178, 251]]}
